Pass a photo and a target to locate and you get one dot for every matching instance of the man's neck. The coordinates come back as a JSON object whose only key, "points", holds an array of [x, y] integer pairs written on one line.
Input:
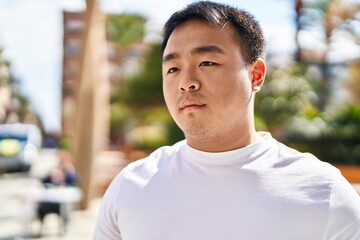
{"points": [[224, 144]]}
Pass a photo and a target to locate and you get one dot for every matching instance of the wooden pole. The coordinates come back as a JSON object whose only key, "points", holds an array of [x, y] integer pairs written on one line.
{"points": [[92, 99]]}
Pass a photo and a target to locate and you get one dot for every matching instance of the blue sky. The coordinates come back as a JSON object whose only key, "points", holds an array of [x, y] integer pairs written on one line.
{"points": [[31, 35]]}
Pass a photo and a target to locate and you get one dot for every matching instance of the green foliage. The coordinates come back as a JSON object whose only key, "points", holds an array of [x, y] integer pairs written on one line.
{"points": [[119, 113], [125, 29], [328, 25], [145, 88], [331, 132], [22, 108], [138, 103], [286, 92], [134, 97], [148, 137], [344, 121], [333, 136], [287, 107]]}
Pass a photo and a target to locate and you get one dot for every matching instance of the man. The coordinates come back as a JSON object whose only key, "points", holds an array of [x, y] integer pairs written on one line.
{"points": [[225, 181]]}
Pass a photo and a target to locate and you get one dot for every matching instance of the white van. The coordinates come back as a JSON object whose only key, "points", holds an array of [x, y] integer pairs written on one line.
{"points": [[19, 147]]}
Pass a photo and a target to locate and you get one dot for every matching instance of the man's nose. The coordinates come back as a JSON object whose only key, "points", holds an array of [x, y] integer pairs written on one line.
{"points": [[189, 83]]}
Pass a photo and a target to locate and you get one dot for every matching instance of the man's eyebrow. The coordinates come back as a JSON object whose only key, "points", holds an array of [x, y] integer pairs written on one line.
{"points": [[207, 49], [197, 50], [169, 57]]}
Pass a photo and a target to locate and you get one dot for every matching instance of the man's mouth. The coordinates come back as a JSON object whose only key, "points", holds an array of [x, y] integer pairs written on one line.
{"points": [[191, 106]]}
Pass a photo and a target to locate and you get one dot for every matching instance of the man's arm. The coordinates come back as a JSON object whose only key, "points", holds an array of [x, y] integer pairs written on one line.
{"points": [[344, 212], [106, 225]]}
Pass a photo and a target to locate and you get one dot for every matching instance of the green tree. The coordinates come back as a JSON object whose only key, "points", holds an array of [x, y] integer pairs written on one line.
{"points": [[137, 100], [324, 23], [142, 93], [294, 102], [122, 30], [125, 29], [288, 92], [19, 103], [144, 89]]}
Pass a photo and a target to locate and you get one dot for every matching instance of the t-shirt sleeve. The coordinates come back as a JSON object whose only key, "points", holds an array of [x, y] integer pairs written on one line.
{"points": [[106, 224], [344, 212]]}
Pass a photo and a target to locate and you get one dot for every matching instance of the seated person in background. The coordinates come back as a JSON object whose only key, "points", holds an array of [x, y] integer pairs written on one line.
{"points": [[64, 175]]}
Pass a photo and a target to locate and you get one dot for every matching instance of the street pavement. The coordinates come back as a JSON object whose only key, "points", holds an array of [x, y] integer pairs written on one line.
{"points": [[17, 219], [14, 214]]}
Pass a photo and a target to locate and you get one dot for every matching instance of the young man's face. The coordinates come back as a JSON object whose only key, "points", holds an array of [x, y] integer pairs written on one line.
{"points": [[207, 88]]}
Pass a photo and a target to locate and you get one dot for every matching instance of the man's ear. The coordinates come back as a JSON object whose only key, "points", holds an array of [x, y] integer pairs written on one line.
{"points": [[258, 72]]}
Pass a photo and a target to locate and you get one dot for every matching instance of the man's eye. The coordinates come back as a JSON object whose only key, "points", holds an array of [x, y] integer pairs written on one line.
{"points": [[172, 70], [207, 63]]}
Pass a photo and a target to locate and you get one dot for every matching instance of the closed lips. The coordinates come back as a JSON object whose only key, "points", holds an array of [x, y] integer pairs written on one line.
{"points": [[191, 104]]}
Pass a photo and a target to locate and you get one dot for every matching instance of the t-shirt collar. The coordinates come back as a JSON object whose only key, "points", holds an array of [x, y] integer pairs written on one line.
{"points": [[245, 154]]}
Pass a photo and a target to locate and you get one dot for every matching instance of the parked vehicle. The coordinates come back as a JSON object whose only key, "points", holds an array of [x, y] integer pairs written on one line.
{"points": [[19, 147]]}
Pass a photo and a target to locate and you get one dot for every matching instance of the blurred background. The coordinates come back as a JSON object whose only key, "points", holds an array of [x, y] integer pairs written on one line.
{"points": [[81, 97]]}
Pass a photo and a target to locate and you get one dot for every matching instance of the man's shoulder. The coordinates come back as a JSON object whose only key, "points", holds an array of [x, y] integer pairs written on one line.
{"points": [[305, 162], [161, 153], [154, 162]]}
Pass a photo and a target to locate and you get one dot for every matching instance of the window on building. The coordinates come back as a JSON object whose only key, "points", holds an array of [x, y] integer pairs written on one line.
{"points": [[72, 47], [75, 26]]}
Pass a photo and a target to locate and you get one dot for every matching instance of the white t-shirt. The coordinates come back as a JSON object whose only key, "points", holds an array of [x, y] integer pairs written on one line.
{"points": [[262, 191]]}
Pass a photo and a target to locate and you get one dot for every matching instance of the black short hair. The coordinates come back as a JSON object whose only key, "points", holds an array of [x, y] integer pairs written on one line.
{"points": [[247, 29]]}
